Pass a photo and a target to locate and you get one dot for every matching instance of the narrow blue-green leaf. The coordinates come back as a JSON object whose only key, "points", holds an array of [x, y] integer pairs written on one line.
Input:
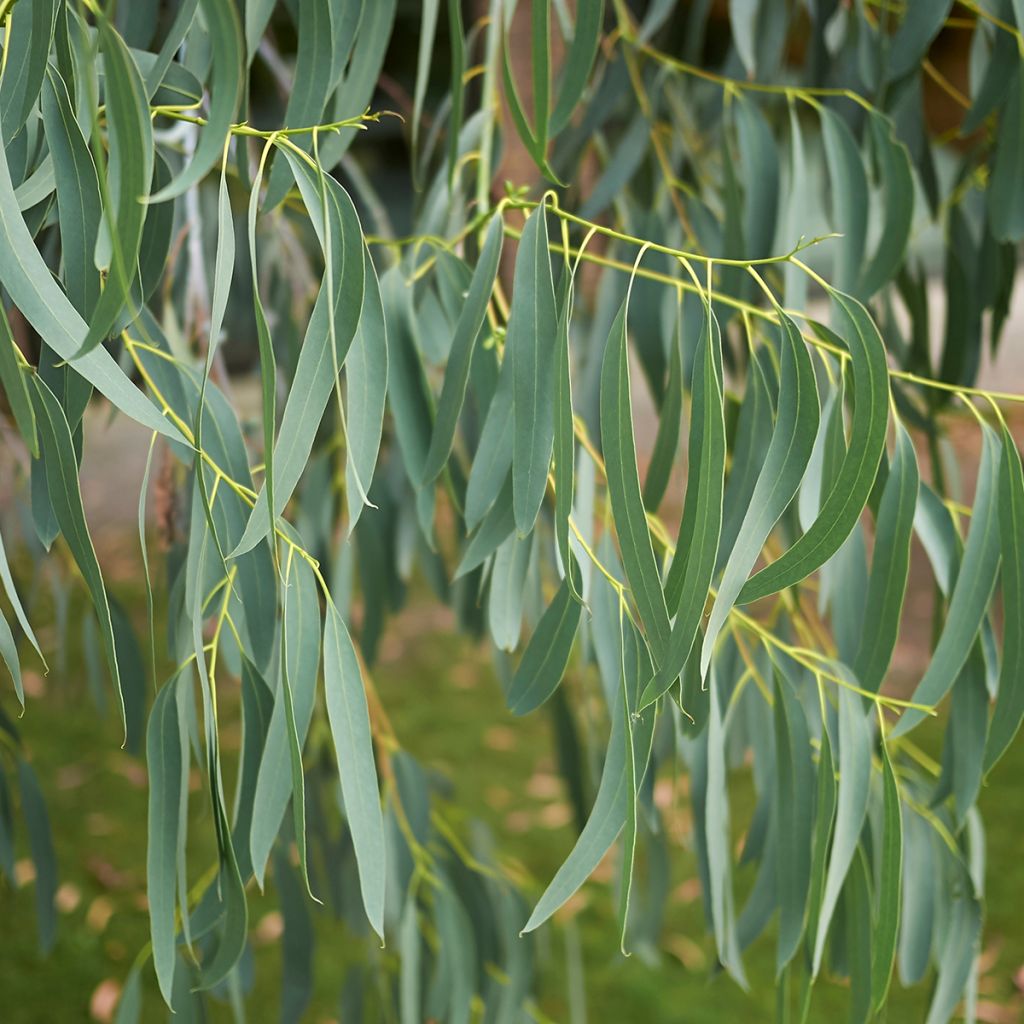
{"points": [[962, 940], [366, 387], [1009, 709], [689, 577], [227, 71], [578, 61], [785, 463], [7, 580], [540, 32], [889, 884], [719, 840], [223, 268], [507, 591], [357, 86], [890, 565], [154, 74], [898, 182], [257, 17], [918, 906], [856, 475], [130, 166], [533, 321], [268, 380], [289, 640], [257, 710], [624, 489], [274, 781], [607, 817], [498, 524], [743, 23], [409, 398], [564, 445], [234, 930], [456, 35], [78, 195], [38, 296], [920, 24], [760, 175], [515, 107], [467, 331], [1005, 204], [666, 443], [353, 746], [409, 948], [58, 453], [794, 818], [971, 593], [27, 42], [424, 60], [851, 808], [9, 654], [849, 197], [311, 86], [15, 386], [547, 654], [494, 453], [315, 373], [164, 764]]}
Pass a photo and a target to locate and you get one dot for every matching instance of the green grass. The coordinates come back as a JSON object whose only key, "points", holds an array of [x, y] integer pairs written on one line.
{"points": [[447, 709]]}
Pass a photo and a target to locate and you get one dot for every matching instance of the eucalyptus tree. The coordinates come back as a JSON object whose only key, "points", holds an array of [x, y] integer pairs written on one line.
{"points": [[728, 219]]}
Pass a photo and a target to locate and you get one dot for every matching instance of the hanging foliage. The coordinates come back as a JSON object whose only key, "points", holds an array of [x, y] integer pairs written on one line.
{"points": [[633, 369]]}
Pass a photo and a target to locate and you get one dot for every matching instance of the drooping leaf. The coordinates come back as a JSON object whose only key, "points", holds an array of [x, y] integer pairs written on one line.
{"points": [[15, 386], [546, 656], [607, 817], [689, 577], [842, 507], [897, 179], [58, 456], [532, 323], [29, 34], [851, 808], [890, 565], [794, 819], [78, 195], [225, 34], [130, 167], [164, 756], [849, 197], [493, 453], [311, 86], [974, 584], [467, 331], [578, 61], [353, 746], [9, 654], [366, 386], [785, 463], [1005, 208], [890, 875], [624, 488], [315, 376], [1009, 709], [34, 291]]}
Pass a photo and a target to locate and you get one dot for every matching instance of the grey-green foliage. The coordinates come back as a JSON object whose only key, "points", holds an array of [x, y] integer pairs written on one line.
{"points": [[458, 375]]}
